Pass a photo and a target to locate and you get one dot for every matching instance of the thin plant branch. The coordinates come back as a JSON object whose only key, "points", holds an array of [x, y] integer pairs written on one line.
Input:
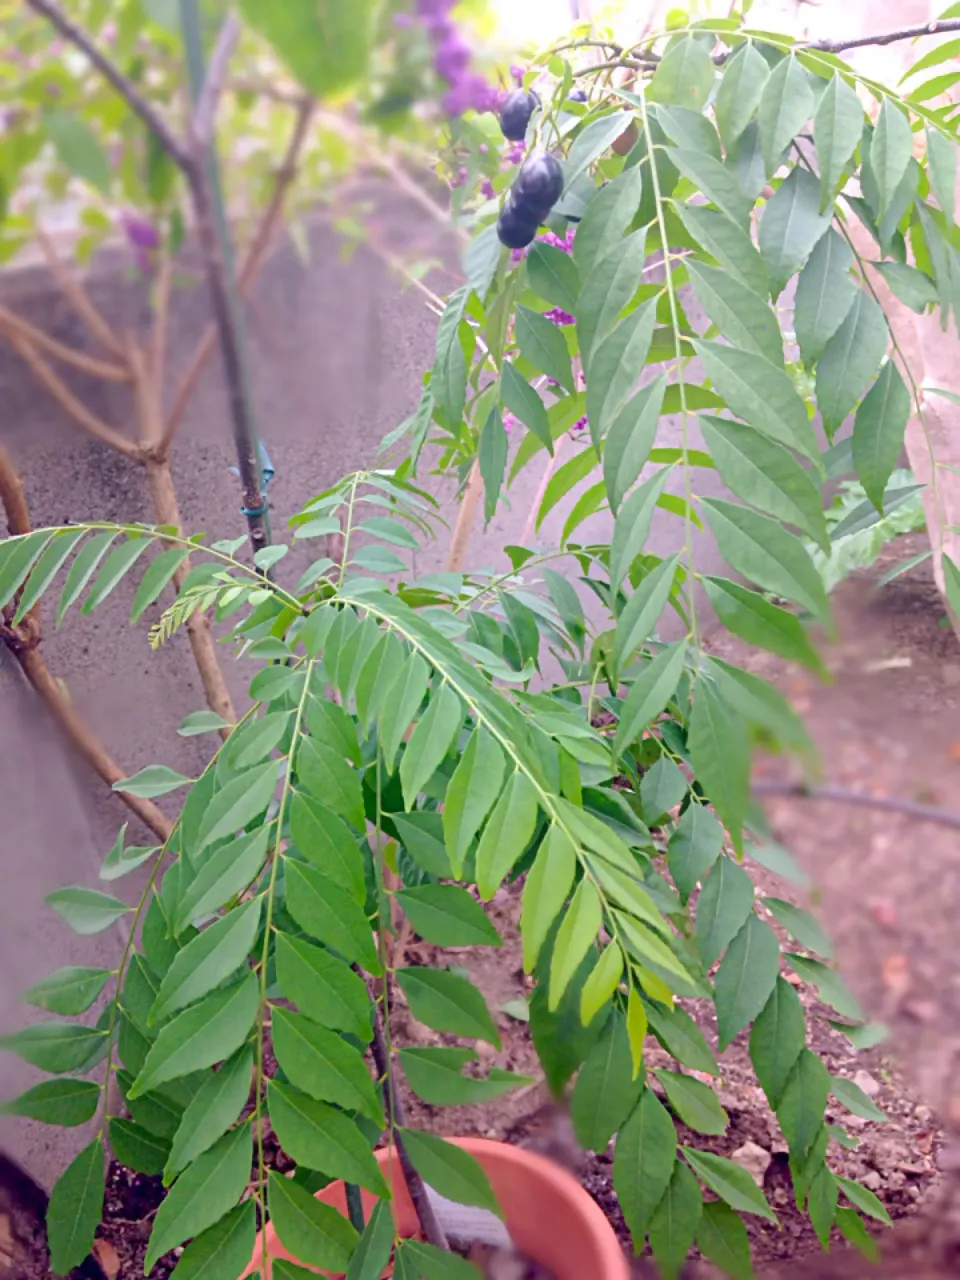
{"points": [[241, 414], [206, 109], [69, 402], [253, 260], [432, 1230], [10, 322], [862, 799], [50, 10], [466, 516], [552, 464], [167, 511], [72, 289], [23, 639], [158, 336], [937, 28]]}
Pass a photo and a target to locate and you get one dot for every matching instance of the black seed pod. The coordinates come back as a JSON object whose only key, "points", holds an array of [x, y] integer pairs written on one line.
{"points": [[538, 185], [515, 114], [516, 226]]}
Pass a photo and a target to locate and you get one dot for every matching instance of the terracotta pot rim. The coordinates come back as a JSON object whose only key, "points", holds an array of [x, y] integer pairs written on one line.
{"points": [[591, 1223]]}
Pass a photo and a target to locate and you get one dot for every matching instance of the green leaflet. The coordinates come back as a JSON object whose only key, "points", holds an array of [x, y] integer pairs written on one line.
{"points": [[605, 220], [447, 1002], [837, 128], [629, 441], [642, 611], [684, 75], [765, 553], [738, 96], [786, 103], [577, 933], [850, 359], [208, 1189], [878, 431], [777, 1038], [725, 901], [720, 754], [891, 149], [207, 961], [223, 1251], [313, 1232], [766, 475], [606, 291], [75, 1209], [202, 1035], [448, 381], [327, 843], [614, 367], [674, 1224], [649, 694], [553, 274], [605, 1092], [472, 792], [722, 1237], [215, 1106], [643, 1163], [746, 977], [430, 741], [633, 524], [802, 1103], [791, 225], [728, 242], [743, 318], [730, 1181], [760, 623], [450, 1170], [716, 180], [446, 915], [323, 1138], [65, 1102], [330, 914], [523, 400], [323, 1064], [548, 883], [492, 458], [507, 833], [693, 848], [825, 293], [694, 1102], [761, 394]]}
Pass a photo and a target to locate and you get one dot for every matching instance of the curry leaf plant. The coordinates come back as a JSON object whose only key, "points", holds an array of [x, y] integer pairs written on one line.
{"points": [[414, 743]]}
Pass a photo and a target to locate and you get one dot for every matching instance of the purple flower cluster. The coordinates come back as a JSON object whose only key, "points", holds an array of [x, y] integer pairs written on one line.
{"points": [[143, 237], [451, 61], [564, 242], [516, 153], [557, 315]]}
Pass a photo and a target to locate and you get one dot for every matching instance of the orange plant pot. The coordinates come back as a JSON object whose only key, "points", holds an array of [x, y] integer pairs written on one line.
{"points": [[550, 1217]]}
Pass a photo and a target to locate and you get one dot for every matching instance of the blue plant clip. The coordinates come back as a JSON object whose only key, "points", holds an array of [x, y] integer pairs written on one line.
{"points": [[268, 471]]}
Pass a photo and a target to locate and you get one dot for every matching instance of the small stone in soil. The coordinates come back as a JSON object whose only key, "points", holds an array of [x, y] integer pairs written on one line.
{"points": [[505, 1264]]}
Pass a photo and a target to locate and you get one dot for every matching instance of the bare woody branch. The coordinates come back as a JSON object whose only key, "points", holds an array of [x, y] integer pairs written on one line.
{"points": [[50, 10], [10, 322], [941, 27], [206, 109], [862, 799], [72, 289], [96, 427], [255, 255], [23, 640]]}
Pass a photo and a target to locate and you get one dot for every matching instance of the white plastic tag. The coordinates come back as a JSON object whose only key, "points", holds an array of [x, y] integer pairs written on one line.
{"points": [[463, 1223]]}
